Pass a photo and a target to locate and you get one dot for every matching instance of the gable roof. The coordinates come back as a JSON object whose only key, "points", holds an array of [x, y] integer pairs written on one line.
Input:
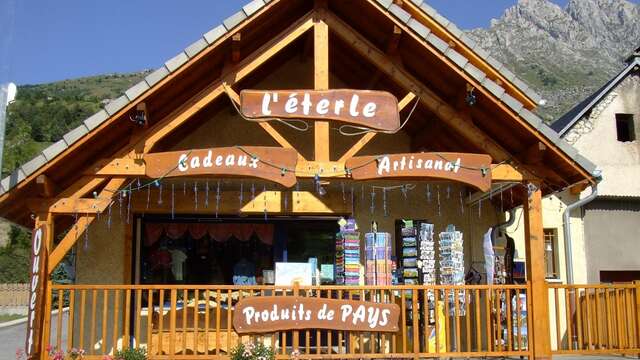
{"points": [[438, 34], [566, 121]]}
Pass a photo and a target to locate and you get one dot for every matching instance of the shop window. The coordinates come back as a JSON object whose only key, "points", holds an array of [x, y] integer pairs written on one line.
{"points": [[551, 253], [625, 127]]}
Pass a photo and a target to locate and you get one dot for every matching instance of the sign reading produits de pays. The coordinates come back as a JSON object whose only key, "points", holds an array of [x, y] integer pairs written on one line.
{"points": [[372, 109], [471, 169], [278, 313], [253, 161], [36, 293]]}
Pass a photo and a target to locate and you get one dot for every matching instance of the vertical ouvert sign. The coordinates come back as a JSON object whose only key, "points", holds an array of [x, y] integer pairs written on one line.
{"points": [[37, 282]]}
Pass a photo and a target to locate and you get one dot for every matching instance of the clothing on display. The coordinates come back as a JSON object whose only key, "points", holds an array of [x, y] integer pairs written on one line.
{"points": [[178, 257]]}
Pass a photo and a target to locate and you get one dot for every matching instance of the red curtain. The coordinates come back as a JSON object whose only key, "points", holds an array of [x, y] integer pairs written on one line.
{"points": [[219, 232]]}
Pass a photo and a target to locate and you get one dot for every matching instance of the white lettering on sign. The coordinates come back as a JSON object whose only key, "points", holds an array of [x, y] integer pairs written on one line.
{"points": [[33, 289], [292, 105], [386, 166], [185, 162]]}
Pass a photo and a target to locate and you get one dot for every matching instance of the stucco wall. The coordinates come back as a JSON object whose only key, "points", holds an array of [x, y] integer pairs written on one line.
{"points": [[612, 246], [595, 137]]}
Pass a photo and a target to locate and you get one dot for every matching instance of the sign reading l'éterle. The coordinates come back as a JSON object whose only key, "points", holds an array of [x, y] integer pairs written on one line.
{"points": [[252, 161], [471, 169], [36, 293], [372, 109], [262, 314]]}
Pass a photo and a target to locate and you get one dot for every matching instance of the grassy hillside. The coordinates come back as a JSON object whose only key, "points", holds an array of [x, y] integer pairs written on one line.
{"points": [[42, 114]]}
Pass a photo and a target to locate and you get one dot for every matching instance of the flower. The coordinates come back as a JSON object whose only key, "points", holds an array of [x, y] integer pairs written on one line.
{"points": [[107, 357], [20, 354]]}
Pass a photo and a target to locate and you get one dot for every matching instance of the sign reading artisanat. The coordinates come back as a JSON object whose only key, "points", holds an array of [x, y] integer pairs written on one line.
{"points": [[270, 313], [471, 169], [36, 293], [269, 163], [372, 109]]}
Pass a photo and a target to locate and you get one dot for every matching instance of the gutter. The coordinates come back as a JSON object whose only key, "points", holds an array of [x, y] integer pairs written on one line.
{"points": [[566, 228]]}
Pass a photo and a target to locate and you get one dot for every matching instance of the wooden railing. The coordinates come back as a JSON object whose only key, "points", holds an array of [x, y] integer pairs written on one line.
{"points": [[189, 322], [595, 319]]}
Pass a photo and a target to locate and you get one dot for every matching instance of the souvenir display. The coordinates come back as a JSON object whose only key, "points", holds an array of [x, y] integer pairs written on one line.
{"points": [[452, 266], [348, 254], [379, 265]]}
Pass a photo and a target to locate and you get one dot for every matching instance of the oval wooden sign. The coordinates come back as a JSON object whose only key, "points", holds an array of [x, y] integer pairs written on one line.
{"points": [[226, 161], [372, 109], [262, 314], [464, 168]]}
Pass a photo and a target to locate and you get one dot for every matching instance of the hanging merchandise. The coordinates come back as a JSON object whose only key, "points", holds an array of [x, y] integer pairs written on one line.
{"points": [[489, 256], [427, 262], [378, 258], [452, 267], [347, 270]]}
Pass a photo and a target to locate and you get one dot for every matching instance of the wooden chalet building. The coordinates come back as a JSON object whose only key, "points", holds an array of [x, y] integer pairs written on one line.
{"points": [[208, 163]]}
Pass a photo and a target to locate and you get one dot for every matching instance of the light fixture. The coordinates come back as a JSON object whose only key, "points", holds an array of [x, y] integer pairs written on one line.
{"points": [[471, 98]]}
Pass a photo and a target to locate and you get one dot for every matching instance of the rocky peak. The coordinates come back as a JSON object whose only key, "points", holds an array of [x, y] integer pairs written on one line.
{"points": [[564, 53]]}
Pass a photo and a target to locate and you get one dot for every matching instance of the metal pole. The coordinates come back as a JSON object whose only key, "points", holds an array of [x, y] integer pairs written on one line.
{"points": [[4, 93]]}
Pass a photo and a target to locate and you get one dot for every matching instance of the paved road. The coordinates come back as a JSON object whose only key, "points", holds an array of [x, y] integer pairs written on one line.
{"points": [[13, 337]]}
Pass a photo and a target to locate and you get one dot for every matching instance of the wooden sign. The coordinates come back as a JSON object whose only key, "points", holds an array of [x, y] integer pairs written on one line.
{"points": [[372, 109], [464, 168], [36, 293], [262, 314], [269, 163]]}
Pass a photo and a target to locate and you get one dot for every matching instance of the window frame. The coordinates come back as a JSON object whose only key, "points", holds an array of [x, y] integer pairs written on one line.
{"points": [[551, 235]]}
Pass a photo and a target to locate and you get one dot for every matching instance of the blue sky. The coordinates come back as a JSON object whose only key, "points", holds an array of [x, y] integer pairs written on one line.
{"points": [[47, 40]]}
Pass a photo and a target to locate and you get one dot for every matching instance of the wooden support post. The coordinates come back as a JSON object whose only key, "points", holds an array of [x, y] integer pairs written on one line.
{"points": [[321, 77], [534, 239]]}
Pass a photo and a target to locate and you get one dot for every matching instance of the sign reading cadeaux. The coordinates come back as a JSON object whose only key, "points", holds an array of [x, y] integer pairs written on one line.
{"points": [[464, 168], [372, 109], [252, 161], [262, 314], [36, 293]]}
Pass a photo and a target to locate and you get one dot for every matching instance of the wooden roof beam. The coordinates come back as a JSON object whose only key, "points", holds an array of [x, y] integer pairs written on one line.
{"points": [[46, 187], [428, 98]]}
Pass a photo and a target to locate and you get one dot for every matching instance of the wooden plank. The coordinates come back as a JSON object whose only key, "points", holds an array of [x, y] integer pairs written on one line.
{"points": [[321, 79], [534, 239], [366, 138], [506, 172], [118, 167], [263, 162], [70, 239], [374, 109]]}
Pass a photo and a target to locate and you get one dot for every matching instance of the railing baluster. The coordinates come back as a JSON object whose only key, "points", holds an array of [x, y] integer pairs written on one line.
{"points": [[414, 323], [403, 320], [478, 318], [172, 321], [619, 324], [578, 319], [456, 315], [138, 317], [588, 320], [92, 335], [72, 299], [467, 314], [394, 339], [509, 337], [557, 311], [598, 314], [150, 322], [206, 321], [218, 311], [196, 324], [105, 320], [489, 321], [425, 320], [116, 310], [185, 316], [436, 294], [519, 346], [59, 320], [567, 302], [161, 322], [609, 308], [127, 318], [83, 300], [229, 310], [318, 334]]}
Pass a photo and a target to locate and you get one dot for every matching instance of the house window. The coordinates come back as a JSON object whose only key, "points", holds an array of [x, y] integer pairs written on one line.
{"points": [[625, 127], [550, 253]]}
